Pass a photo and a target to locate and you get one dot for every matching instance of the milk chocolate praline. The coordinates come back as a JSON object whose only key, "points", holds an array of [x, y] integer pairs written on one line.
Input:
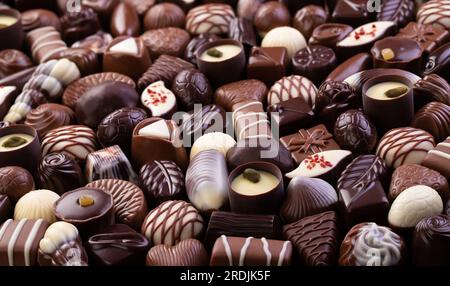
{"points": [[13, 35], [271, 15], [49, 116], [15, 182], [308, 18], [164, 15], [12, 61]]}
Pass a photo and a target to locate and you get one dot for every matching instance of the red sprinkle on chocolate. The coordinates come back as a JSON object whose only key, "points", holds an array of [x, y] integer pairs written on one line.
{"points": [[314, 160]]}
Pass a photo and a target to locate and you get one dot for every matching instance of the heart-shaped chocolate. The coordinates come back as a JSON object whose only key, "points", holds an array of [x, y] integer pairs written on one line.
{"points": [[189, 252]]}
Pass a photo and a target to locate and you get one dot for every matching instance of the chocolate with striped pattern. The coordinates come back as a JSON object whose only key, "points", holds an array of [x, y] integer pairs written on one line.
{"points": [[438, 158], [250, 121], [291, 87], [45, 42], [435, 119], [435, 12], [189, 252], [212, 18]]}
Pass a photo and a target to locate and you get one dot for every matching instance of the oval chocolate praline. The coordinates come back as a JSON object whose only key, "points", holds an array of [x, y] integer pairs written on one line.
{"points": [[13, 61], [164, 15], [15, 182], [37, 18], [329, 34], [308, 18], [192, 87], [49, 116], [271, 15]]}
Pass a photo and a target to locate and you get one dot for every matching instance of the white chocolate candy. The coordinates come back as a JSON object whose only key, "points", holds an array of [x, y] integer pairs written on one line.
{"points": [[158, 99], [5, 91], [436, 13], [413, 205], [292, 87], [35, 205], [127, 46], [216, 140], [378, 91], [57, 234], [227, 52], [287, 37], [366, 34], [157, 129]]}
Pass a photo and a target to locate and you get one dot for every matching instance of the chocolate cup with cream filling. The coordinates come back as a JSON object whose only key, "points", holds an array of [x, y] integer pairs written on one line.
{"points": [[13, 35], [263, 203]]}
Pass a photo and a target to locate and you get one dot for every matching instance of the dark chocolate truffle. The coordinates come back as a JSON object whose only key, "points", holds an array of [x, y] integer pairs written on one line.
{"points": [[13, 61], [78, 25], [271, 15], [314, 62], [15, 182], [308, 18], [192, 87]]}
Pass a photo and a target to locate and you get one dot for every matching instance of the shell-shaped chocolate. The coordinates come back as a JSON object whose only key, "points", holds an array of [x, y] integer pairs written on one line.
{"points": [[161, 181], [435, 12], [75, 140], [49, 116], [189, 252], [12, 61], [209, 18], [306, 197], [291, 87], [435, 119], [15, 182], [35, 205], [368, 244], [172, 222], [130, 206]]}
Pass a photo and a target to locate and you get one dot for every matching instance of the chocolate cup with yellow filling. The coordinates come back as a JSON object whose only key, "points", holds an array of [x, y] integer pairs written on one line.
{"points": [[146, 149], [263, 203], [24, 153], [222, 72], [13, 35]]}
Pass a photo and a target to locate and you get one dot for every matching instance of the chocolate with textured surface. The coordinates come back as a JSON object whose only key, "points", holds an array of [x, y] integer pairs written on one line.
{"points": [[49, 116], [15, 182], [436, 13], [431, 88], [207, 119], [12, 61], [315, 238], [428, 37], [399, 11], [78, 25], [166, 41], [314, 62], [291, 87], [209, 18], [435, 119], [164, 15], [240, 91], [188, 252], [192, 87]]}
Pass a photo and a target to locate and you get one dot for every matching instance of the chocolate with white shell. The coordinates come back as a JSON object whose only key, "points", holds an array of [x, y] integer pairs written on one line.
{"points": [[436, 13], [291, 87], [7, 96], [287, 37], [85, 59], [36, 204], [250, 121]]}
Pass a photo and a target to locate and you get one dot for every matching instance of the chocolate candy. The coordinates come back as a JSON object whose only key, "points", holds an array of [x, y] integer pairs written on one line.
{"points": [[192, 48], [439, 62], [435, 119], [36, 205], [413, 205], [361, 191], [368, 244], [431, 88], [410, 175], [78, 25], [287, 37], [141, 6], [159, 100], [291, 87], [164, 15], [162, 181], [74, 140], [109, 163], [15, 182], [172, 222], [212, 141], [96, 43], [436, 13], [165, 68], [236, 92], [398, 11], [430, 241], [250, 121], [5, 208], [267, 64], [12, 61], [314, 62], [19, 242], [89, 209], [125, 21], [44, 43], [351, 66], [306, 197], [242, 225], [209, 18], [117, 127], [326, 165], [315, 238], [61, 246], [329, 34], [168, 41], [161, 136], [292, 114], [271, 15], [352, 12], [405, 145], [241, 251], [11, 29], [354, 132], [308, 18], [85, 59], [397, 52], [428, 37], [60, 173], [271, 151], [206, 181], [130, 207], [7, 96], [306, 142], [103, 9], [74, 91], [247, 8], [438, 158], [117, 245], [192, 87], [128, 56], [242, 31], [37, 18], [209, 118], [99, 101], [333, 98], [49, 116], [188, 252]]}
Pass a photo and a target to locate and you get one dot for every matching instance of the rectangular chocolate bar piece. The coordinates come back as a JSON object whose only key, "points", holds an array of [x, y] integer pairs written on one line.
{"points": [[267, 64], [438, 159], [250, 120]]}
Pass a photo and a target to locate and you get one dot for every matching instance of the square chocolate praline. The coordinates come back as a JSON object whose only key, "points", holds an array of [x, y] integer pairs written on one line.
{"points": [[308, 142], [427, 36], [267, 64]]}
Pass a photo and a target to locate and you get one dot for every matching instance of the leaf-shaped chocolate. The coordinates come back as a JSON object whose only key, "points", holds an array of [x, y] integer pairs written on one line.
{"points": [[315, 238], [398, 11]]}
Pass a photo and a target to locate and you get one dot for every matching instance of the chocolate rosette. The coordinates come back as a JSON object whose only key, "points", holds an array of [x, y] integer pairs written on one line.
{"points": [[49, 116]]}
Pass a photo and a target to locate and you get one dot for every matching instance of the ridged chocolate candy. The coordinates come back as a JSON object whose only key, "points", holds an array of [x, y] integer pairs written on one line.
{"points": [[189, 252], [192, 87], [15, 182], [435, 119], [49, 116], [209, 18], [431, 88], [164, 15]]}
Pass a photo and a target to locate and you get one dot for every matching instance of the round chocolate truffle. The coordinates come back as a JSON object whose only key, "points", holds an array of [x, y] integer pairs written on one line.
{"points": [[162, 181], [12, 61], [368, 244], [308, 18], [314, 62], [60, 173], [117, 127], [271, 15], [164, 15], [166, 41], [247, 8], [36, 205], [49, 116], [15, 182], [354, 132], [194, 45], [192, 87]]}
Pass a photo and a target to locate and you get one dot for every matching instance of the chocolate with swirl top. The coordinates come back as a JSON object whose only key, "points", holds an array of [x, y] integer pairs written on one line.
{"points": [[60, 173], [78, 25], [49, 116], [431, 88], [431, 241], [37, 18], [12, 61]]}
